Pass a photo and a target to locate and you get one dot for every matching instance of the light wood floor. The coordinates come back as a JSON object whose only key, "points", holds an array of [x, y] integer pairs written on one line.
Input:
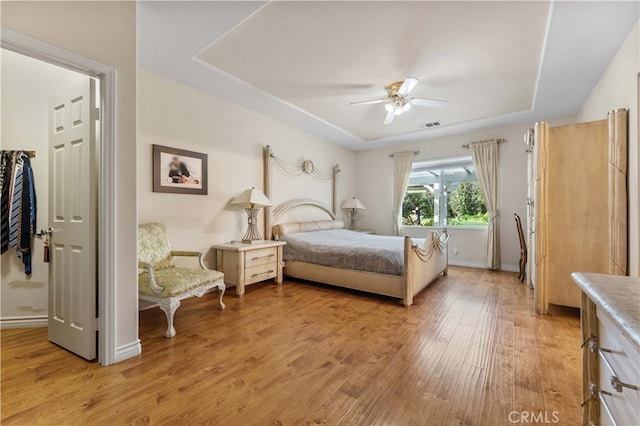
{"points": [[470, 351]]}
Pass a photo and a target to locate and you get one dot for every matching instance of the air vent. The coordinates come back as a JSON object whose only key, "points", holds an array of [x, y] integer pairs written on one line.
{"points": [[432, 124]]}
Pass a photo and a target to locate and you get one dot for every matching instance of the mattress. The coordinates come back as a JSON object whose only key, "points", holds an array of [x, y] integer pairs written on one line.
{"points": [[341, 248]]}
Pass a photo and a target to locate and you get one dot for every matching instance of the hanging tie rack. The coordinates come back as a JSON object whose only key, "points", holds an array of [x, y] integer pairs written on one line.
{"points": [[30, 153]]}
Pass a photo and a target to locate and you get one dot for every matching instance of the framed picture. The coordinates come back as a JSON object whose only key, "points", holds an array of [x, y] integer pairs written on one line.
{"points": [[179, 171]]}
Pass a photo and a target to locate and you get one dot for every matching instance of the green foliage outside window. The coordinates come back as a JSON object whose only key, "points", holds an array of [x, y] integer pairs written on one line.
{"points": [[465, 206], [417, 208]]}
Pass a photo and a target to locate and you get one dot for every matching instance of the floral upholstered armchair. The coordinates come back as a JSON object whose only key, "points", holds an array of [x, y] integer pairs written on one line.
{"points": [[159, 281]]}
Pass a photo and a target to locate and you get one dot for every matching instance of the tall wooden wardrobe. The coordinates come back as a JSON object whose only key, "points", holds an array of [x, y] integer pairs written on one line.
{"points": [[577, 205]]}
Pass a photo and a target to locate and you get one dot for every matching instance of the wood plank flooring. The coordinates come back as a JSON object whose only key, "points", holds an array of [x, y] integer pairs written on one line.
{"points": [[470, 351]]}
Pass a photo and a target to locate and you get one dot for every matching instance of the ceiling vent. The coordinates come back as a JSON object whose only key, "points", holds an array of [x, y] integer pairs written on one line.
{"points": [[432, 124]]}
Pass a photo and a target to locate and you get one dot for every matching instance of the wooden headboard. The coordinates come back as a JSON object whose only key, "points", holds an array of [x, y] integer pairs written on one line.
{"points": [[306, 167]]}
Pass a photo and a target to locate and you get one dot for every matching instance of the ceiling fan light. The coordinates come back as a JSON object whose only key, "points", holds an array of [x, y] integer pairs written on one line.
{"points": [[406, 107], [397, 110], [388, 107]]}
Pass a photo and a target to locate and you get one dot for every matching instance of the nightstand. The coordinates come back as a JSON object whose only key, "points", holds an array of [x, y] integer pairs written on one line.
{"points": [[245, 264]]}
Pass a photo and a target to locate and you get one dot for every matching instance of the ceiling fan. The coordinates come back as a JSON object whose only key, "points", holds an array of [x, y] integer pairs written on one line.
{"points": [[397, 101]]}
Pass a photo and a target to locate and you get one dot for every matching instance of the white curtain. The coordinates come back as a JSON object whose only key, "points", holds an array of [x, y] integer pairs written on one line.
{"points": [[485, 159], [402, 162]]}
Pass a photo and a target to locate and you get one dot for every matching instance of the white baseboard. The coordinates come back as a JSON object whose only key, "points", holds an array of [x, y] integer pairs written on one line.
{"points": [[143, 305], [482, 265], [128, 351], [23, 322], [510, 268], [468, 264]]}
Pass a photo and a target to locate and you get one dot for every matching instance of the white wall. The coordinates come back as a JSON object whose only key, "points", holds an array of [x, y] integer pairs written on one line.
{"points": [[618, 88], [106, 32], [27, 85], [374, 182], [179, 116]]}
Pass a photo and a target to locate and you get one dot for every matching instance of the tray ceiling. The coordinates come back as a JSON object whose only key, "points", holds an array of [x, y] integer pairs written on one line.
{"points": [[481, 57], [302, 62]]}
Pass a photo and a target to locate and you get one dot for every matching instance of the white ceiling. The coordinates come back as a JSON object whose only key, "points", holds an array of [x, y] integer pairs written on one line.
{"points": [[302, 62]]}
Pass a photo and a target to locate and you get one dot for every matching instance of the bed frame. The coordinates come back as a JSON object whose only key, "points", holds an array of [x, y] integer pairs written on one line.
{"points": [[422, 264]]}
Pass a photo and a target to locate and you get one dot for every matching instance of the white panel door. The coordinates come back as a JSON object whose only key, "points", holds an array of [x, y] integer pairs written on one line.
{"points": [[73, 192]]}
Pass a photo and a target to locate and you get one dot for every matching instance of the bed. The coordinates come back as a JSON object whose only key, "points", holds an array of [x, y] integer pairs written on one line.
{"points": [[323, 251]]}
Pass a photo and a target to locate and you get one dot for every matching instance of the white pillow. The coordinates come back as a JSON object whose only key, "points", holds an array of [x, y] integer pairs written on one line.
{"points": [[294, 227]]}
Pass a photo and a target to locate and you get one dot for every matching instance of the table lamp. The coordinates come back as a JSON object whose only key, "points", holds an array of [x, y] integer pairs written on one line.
{"points": [[252, 200], [353, 205]]}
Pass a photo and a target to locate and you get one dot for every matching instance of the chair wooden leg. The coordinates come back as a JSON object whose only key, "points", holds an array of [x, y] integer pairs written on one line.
{"points": [[169, 307], [221, 289], [520, 271]]}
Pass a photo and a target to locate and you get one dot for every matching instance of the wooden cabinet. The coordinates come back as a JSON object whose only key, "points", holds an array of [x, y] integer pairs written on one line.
{"points": [[619, 375], [610, 316], [578, 211], [245, 264]]}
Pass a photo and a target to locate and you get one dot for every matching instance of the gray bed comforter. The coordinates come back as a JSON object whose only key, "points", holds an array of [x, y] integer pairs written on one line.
{"points": [[342, 248]]}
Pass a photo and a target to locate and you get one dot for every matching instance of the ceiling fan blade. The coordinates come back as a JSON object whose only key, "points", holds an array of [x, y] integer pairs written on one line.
{"points": [[431, 103], [407, 85], [389, 118], [377, 101]]}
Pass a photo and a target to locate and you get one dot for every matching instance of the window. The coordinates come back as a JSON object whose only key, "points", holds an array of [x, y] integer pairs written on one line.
{"points": [[444, 192]]}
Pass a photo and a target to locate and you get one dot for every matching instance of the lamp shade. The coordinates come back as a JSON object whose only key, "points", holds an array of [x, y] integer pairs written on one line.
{"points": [[354, 203], [252, 198]]}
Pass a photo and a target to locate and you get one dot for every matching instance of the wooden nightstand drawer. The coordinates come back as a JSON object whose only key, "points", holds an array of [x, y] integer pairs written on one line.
{"points": [[260, 273], [261, 257]]}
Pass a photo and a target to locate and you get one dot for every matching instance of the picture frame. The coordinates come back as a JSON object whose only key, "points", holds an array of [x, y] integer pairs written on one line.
{"points": [[179, 171]]}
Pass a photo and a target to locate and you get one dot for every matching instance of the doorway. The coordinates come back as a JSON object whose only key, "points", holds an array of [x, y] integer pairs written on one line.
{"points": [[29, 84]]}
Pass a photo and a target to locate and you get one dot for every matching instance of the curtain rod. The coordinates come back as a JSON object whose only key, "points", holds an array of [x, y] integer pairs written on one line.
{"points": [[414, 153], [499, 140], [30, 153]]}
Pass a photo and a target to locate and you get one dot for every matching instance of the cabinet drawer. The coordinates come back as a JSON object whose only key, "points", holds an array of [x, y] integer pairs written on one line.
{"points": [[260, 273], [618, 410], [619, 358], [605, 418], [261, 257]]}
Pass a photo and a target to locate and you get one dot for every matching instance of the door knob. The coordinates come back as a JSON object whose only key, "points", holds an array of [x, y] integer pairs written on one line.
{"points": [[46, 232]]}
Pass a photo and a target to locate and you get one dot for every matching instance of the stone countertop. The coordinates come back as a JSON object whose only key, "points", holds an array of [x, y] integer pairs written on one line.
{"points": [[618, 297]]}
